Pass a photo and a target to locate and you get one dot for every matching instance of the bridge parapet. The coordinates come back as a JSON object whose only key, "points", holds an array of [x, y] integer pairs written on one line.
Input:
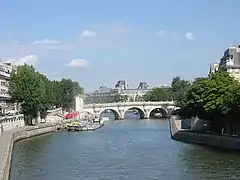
{"points": [[119, 108], [123, 104], [11, 122]]}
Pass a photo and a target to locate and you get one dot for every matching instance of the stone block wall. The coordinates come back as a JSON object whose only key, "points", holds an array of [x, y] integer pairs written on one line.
{"points": [[227, 142], [8, 138]]}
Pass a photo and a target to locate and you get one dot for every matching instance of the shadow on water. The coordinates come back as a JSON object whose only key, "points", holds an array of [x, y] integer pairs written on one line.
{"points": [[205, 162]]}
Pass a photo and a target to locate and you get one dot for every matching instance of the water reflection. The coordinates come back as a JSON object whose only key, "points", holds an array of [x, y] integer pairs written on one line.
{"points": [[210, 163], [128, 149]]}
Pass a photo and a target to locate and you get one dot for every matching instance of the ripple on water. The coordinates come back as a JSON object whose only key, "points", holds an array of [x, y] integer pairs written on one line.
{"points": [[120, 150]]}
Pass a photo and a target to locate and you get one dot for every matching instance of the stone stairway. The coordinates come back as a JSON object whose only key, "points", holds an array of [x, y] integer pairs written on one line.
{"points": [[54, 118]]}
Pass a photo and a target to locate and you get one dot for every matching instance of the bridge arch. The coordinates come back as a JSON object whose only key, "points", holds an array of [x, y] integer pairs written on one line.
{"points": [[175, 111], [139, 109], [159, 109], [115, 112]]}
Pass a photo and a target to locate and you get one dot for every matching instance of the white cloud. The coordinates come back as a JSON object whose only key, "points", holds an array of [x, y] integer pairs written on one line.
{"points": [[29, 59], [160, 33], [78, 63], [46, 42], [88, 33], [189, 36]]}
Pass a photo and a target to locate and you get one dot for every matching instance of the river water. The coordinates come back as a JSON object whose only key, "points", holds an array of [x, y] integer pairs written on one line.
{"points": [[121, 150]]}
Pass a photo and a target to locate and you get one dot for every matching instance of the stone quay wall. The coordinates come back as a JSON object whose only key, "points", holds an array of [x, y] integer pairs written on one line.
{"points": [[221, 141], [7, 140]]}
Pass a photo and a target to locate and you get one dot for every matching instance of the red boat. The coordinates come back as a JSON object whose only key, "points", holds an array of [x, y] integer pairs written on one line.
{"points": [[71, 115]]}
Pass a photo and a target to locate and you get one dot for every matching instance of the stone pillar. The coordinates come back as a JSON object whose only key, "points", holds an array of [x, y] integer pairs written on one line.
{"points": [[96, 112], [146, 112], [121, 114], [146, 116]]}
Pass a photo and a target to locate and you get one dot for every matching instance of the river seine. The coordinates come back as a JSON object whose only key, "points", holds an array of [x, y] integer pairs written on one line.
{"points": [[121, 150]]}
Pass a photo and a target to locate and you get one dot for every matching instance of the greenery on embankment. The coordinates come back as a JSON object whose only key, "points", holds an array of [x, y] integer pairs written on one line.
{"points": [[36, 93], [215, 98], [174, 92]]}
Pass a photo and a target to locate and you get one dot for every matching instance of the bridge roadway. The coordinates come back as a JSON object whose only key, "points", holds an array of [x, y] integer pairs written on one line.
{"points": [[144, 108]]}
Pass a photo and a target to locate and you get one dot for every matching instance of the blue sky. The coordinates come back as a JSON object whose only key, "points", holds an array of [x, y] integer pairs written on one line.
{"points": [[99, 42]]}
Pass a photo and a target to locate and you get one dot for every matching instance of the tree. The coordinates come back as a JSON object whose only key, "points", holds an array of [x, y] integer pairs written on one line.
{"points": [[157, 94], [179, 87], [139, 98], [215, 98], [176, 84], [36, 93], [68, 93], [69, 90], [47, 99], [121, 98], [26, 87], [56, 88]]}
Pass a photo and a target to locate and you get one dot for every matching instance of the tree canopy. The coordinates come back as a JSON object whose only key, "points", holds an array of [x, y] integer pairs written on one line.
{"points": [[212, 96], [175, 92], [215, 98], [157, 94], [36, 93]]}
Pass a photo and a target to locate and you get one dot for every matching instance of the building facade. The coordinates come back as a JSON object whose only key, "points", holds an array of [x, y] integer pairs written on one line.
{"points": [[5, 73], [213, 68], [230, 62], [108, 95]]}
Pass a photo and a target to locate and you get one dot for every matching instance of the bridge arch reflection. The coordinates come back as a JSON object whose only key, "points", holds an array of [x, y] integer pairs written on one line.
{"points": [[158, 112], [139, 110], [105, 113]]}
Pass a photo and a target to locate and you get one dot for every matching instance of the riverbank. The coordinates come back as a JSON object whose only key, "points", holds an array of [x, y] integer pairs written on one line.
{"points": [[221, 141], [8, 138]]}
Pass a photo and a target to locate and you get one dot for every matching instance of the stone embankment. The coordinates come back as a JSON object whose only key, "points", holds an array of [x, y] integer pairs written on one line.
{"points": [[8, 138], [221, 141]]}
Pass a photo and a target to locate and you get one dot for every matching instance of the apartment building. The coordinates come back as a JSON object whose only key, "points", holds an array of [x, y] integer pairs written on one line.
{"points": [[5, 73], [230, 62], [213, 68]]}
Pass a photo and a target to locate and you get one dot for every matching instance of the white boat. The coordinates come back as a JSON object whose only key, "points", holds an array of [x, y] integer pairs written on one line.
{"points": [[158, 115], [101, 120], [104, 119]]}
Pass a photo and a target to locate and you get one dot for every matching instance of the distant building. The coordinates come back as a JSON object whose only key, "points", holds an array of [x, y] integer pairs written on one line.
{"points": [[107, 95], [102, 95], [143, 85], [230, 62], [122, 84], [134, 94]]}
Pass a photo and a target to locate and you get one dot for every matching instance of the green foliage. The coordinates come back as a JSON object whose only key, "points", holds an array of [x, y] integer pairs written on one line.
{"points": [[176, 92], [216, 97], [36, 93], [179, 88], [158, 94], [121, 98]]}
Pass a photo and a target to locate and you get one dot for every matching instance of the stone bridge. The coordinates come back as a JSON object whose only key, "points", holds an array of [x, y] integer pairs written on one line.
{"points": [[119, 109]]}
